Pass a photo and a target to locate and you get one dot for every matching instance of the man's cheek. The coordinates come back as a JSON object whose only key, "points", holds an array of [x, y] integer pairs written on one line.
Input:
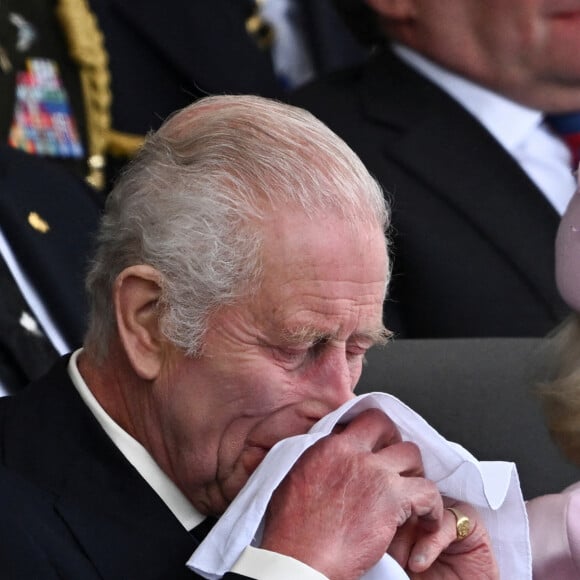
{"points": [[251, 458], [289, 419], [235, 476]]}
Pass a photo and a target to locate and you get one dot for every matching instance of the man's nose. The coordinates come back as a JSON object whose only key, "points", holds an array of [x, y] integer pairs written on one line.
{"points": [[334, 376]]}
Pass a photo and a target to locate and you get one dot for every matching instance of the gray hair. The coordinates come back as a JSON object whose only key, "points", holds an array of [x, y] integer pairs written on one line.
{"points": [[189, 203]]}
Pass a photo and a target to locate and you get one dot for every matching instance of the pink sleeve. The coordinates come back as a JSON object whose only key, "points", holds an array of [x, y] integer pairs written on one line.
{"points": [[555, 535], [573, 519]]}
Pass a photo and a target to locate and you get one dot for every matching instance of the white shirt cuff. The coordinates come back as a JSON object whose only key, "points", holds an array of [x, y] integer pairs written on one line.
{"points": [[265, 565]]}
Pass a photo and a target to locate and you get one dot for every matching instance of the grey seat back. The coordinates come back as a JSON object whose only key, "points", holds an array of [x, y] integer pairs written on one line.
{"points": [[479, 393]]}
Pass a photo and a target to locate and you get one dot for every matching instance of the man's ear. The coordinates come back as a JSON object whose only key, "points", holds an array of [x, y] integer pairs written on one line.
{"points": [[137, 293], [393, 9]]}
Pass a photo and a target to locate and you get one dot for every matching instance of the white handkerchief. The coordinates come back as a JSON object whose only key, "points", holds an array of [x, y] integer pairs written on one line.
{"points": [[491, 486]]}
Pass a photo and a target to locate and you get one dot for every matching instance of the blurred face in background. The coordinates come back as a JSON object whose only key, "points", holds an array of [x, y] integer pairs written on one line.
{"points": [[527, 50]]}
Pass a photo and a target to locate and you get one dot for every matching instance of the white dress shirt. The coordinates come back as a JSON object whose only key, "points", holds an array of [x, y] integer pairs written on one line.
{"points": [[255, 563], [519, 130]]}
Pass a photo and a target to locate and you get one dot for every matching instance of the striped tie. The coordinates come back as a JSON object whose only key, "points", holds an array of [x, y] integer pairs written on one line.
{"points": [[567, 127]]}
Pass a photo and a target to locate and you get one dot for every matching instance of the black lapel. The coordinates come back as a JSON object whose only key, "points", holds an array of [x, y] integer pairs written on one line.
{"points": [[121, 524], [25, 352], [485, 184]]}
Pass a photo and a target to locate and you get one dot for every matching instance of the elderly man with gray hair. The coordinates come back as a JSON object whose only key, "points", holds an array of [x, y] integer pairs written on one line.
{"points": [[238, 281]]}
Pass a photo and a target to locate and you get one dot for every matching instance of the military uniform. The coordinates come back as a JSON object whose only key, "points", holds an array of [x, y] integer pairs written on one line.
{"points": [[82, 81], [30, 34], [80, 84]]}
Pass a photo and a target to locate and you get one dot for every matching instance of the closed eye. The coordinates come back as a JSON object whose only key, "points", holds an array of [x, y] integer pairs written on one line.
{"points": [[356, 352], [297, 355], [292, 356]]}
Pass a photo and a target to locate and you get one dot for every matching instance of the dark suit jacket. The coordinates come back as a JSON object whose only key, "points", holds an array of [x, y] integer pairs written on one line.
{"points": [[329, 41], [82, 511], [164, 55], [54, 260], [473, 236]]}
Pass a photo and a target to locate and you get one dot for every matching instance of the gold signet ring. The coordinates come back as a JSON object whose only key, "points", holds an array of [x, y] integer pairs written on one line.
{"points": [[462, 523]]}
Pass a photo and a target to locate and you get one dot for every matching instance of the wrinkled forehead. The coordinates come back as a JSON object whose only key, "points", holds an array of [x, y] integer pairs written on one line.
{"points": [[298, 245]]}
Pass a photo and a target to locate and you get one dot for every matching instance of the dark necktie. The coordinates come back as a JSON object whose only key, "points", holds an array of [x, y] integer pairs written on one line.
{"points": [[567, 127], [25, 352], [202, 530]]}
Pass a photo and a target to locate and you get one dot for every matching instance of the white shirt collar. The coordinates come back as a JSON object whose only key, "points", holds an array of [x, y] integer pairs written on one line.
{"points": [[509, 122], [136, 454]]}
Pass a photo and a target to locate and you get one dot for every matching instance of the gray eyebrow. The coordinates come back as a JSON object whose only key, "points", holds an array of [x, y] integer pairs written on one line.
{"points": [[379, 336]]}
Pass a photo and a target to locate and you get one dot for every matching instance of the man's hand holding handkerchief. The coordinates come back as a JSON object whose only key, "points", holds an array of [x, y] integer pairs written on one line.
{"points": [[492, 488]]}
